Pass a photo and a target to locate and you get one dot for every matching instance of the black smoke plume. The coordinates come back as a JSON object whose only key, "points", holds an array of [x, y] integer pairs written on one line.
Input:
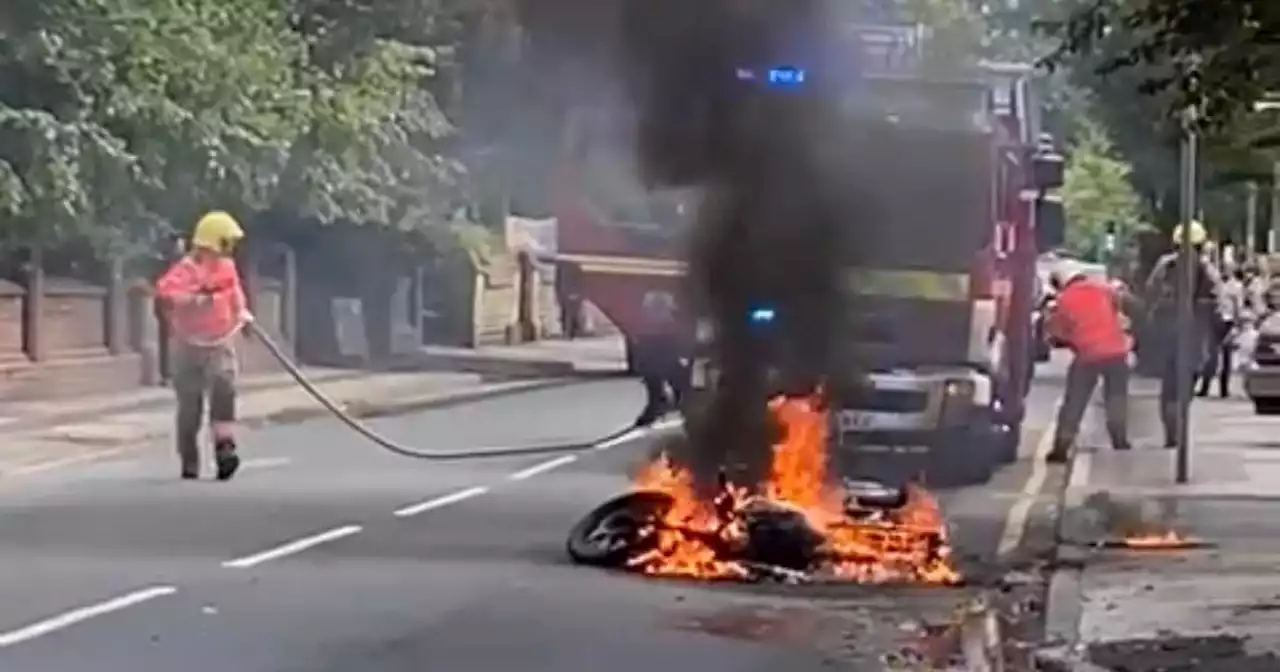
{"points": [[779, 169]]}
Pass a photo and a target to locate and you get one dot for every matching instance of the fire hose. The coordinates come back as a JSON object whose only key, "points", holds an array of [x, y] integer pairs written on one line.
{"points": [[404, 450]]}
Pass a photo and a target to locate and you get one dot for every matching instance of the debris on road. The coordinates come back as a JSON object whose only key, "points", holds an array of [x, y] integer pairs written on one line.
{"points": [[1175, 653], [1165, 541]]}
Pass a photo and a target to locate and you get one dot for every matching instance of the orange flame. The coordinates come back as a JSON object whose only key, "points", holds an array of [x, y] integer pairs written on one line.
{"points": [[908, 545], [1158, 540]]}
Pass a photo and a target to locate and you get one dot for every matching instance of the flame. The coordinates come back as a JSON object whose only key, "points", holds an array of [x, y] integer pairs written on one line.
{"points": [[1158, 540], [906, 545]]}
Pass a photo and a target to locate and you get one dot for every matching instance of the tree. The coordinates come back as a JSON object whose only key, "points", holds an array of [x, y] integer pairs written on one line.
{"points": [[956, 33], [120, 119], [1097, 194], [1219, 56], [1139, 101]]}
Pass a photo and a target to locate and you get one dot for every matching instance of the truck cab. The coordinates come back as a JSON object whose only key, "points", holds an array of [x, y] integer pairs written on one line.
{"points": [[938, 352]]}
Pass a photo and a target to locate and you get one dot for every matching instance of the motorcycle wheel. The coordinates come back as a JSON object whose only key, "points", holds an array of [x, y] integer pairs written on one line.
{"points": [[613, 532]]}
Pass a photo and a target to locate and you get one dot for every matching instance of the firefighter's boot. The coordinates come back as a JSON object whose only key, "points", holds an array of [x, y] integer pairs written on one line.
{"points": [[226, 458], [1060, 453]]}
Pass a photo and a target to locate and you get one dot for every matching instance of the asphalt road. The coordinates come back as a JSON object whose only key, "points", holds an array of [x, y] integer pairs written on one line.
{"points": [[327, 555]]}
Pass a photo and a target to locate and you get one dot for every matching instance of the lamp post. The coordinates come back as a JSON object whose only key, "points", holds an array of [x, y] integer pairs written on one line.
{"points": [[1250, 237], [1188, 331]]}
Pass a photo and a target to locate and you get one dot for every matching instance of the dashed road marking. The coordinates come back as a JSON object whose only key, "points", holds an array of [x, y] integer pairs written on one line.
{"points": [[619, 439], [1015, 526], [75, 616], [292, 547], [70, 461], [543, 467], [438, 502], [266, 462], [637, 433]]}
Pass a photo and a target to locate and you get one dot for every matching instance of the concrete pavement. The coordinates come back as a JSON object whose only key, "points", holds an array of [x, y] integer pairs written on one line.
{"points": [[1205, 609], [41, 435], [544, 359], [329, 555]]}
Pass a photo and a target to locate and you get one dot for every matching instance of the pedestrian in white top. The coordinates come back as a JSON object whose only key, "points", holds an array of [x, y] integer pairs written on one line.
{"points": [[1230, 318]]}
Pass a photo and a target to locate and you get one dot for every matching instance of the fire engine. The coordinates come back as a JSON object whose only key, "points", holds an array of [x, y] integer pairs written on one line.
{"points": [[943, 339]]}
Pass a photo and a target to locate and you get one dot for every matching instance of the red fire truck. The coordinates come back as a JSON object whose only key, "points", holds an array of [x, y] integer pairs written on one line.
{"points": [[961, 178]]}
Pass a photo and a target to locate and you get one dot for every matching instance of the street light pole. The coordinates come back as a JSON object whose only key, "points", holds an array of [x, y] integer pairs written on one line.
{"points": [[1188, 332], [1251, 221], [1275, 208]]}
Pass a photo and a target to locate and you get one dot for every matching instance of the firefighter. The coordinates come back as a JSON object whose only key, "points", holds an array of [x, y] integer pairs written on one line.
{"points": [[204, 301], [1162, 287], [660, 357], [1087, 320]]}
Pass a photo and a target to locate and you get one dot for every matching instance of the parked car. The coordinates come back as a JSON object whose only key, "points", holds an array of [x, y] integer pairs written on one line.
{"points": [[1262, 373]]}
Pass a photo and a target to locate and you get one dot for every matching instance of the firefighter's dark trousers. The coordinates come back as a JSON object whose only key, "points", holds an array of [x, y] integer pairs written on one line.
{"points": [[1199, 351], [203, 373], [661, 367], [1219, 360], [1082, 378]]}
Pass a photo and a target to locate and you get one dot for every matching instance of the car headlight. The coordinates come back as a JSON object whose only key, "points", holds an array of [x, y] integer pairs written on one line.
{"points": [[958, 390], [957, 401]]}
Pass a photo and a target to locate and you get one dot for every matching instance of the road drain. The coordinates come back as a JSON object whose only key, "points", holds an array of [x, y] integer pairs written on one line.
{"points": [[1218, 653]]}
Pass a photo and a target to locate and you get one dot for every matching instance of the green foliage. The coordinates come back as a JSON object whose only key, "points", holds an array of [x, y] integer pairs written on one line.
{"points": [[121, 120], [1145, 62], [1096, 192], [955, 32], [1219, 56]]}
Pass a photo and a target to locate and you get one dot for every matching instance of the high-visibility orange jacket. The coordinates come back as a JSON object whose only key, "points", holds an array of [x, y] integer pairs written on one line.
{"points": [[213, 318], [1087, 318]]}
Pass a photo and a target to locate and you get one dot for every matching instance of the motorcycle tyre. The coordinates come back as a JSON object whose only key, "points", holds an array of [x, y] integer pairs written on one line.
{"points": [[582, 551]]}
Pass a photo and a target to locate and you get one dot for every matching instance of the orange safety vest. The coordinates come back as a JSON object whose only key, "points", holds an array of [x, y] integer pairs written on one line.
{"points": [[1087, 319], [212, 320]]}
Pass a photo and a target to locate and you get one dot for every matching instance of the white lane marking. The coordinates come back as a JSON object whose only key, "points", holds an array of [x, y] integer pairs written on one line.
{"points": [[619, 439], [1015, 526], [631, 435], [438, 502], [70, 618], [543, 467], [1081, 470], [266, 463], [292, 547], [59, 463], [668, 423]]}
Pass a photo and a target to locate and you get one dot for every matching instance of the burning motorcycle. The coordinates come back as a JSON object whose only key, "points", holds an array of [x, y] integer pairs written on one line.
{"points": [[796, 526]]}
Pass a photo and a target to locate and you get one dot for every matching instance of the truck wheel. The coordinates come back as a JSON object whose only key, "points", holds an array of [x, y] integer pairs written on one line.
{"points": [[970, 463], [958, 469], [1007, 444], [1266, 405]]}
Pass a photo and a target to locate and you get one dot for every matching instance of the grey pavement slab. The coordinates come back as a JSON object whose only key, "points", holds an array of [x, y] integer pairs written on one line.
{"points": [[1117, 600]]}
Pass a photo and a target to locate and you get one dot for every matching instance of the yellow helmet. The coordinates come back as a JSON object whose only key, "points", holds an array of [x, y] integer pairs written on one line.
{"points": [[217, 231], [1197, 233]]}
